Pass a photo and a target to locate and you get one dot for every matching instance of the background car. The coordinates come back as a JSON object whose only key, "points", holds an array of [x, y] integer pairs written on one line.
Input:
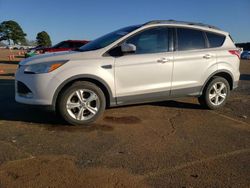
{"points": [[62, 46], [18, 47], [34, 51], [245, 55]]}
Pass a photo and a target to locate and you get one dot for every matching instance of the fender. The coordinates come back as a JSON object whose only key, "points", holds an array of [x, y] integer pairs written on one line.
{"points": [[84, 76]]}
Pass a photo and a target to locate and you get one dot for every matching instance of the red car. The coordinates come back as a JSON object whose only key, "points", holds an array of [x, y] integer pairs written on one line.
{"points": [[64, 46]]}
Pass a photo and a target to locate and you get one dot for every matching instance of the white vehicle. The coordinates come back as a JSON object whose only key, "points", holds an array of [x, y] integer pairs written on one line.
{"points": [[155, 61], [18, 47]]}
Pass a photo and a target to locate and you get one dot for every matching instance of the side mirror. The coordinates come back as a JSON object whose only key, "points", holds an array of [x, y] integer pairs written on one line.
{"points": [[128, 48]]}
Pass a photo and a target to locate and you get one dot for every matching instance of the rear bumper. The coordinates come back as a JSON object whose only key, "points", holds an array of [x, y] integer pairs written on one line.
{"points": [[236, 80], [235, 84]]}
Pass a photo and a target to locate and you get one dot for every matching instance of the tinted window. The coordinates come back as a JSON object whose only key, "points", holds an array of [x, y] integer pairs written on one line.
{"points": [[71, 45], [150, 41], [189, 39], [78, 44], [215, 40], [57, 45], [62, 45]]}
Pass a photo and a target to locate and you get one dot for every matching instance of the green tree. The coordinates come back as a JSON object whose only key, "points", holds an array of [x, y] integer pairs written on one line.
{"points": [[11, 30], [43, 39]]}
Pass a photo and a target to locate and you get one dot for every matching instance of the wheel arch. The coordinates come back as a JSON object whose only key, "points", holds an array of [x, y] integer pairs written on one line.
{"points": [[221, 73], [110, 100]]}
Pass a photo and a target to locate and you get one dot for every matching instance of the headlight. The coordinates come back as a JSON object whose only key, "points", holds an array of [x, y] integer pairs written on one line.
{"points": [[45, 67]]}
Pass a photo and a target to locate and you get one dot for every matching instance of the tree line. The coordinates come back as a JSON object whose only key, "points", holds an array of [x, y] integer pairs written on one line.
{"points": [[12, 31]]}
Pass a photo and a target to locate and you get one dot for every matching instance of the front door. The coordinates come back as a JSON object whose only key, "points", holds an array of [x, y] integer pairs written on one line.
{"points": [[146, 74]]}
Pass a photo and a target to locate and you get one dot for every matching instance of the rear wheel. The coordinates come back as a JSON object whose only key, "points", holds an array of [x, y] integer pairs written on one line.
{"points": [[81, 103], [215, 94]]}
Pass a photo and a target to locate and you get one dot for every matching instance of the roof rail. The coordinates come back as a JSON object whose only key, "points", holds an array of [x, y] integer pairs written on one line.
{"points": [[179, 22]]}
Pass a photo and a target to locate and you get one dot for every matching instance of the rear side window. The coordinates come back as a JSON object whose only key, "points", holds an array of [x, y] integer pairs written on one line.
{"points": [[78, 44], [190, 39], [71, 45], [150, 41], [64, 45], [215, 40]]}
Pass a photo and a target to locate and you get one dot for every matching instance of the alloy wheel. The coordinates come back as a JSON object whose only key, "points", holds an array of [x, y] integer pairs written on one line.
{"points": [[83, 104], [218, 93]]}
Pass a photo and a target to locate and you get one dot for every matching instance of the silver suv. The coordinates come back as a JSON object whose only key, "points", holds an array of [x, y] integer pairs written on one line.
{"points": [[154, 61]]}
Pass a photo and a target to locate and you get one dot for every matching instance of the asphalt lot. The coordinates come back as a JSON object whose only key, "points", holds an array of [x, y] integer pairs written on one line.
{"points": [[168, 144]]}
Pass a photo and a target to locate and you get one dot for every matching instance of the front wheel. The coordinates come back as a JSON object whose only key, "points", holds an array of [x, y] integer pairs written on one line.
{"points": [[81, 103], [215, 94]]}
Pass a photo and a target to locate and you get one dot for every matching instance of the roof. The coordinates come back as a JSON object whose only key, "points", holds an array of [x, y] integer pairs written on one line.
{"points": [[180, 23]]}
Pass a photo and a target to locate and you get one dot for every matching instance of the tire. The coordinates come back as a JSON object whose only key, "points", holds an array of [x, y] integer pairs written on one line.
{"points": [[215, 94], [81, 104]]}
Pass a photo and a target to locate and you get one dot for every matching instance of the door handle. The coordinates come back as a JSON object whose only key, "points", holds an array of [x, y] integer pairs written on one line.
{"points": [[207, 56], [163, 60], [106, 66]]}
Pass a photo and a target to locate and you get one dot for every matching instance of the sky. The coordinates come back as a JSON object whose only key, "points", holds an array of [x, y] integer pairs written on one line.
{"points": [[85, 19]]}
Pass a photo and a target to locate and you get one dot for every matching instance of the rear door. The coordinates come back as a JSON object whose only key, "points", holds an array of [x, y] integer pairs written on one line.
{"points": [[193, 59]]}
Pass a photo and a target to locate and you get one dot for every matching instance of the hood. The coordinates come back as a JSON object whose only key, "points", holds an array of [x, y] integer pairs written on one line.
{"points": [[58, 56]]}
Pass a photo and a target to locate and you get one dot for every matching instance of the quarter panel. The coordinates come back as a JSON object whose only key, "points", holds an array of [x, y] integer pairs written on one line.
{"points": [[229, 62]]}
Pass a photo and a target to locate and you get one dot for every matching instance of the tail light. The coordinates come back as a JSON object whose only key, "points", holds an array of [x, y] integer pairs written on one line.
{"points": [[235, 52]]}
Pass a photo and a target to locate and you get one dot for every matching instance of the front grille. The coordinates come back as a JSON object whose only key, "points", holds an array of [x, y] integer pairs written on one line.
{"points": [[22, 88]]}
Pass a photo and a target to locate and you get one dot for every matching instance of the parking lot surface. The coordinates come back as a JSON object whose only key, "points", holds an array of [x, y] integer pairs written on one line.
{"points": [[166, 144]]}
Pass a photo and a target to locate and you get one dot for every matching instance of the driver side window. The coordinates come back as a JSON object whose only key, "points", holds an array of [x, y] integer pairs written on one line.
{"points": [[64, 45], [150, 41]]}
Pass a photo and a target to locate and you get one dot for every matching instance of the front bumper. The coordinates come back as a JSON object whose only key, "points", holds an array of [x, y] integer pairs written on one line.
{"points": [[35, 89]]}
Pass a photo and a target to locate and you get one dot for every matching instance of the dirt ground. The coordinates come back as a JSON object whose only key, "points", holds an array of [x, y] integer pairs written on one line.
{"points": [[167, 144]]}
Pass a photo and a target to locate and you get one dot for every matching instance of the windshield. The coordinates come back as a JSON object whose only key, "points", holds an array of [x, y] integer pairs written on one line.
{"points": [[107, 39]]}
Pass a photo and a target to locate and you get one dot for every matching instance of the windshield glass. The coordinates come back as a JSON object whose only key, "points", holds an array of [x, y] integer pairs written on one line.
{"points": [[107, 39]]}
